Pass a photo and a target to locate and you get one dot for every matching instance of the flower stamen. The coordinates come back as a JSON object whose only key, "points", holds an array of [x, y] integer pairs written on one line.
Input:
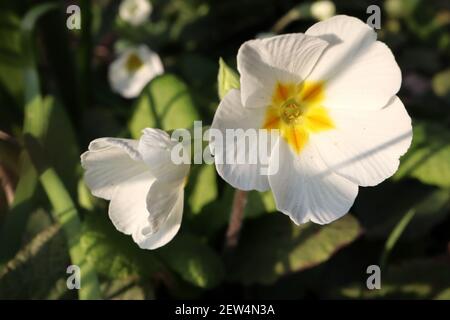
{"points": [[297, 111]]}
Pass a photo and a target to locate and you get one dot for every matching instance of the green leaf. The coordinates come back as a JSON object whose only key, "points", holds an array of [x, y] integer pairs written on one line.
{"points": [[259, 203], [36, 267], [114, 254], [165, 103], [65, 212], [417, 279], [11, 60], [395, 235], [441, 83], [428, 157], [227, 79], [380, 208], [193, 260], [35, 124], [64, 155], [272, 246], [204, 190]]}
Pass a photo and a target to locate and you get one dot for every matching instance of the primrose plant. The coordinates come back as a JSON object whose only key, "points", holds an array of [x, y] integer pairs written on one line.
{"points": [[327, 100]]}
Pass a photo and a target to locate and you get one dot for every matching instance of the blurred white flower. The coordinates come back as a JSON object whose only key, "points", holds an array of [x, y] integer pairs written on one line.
{"points": [[145, 187], [135, 12], [323, 9], [133, 69], [330, 96]]}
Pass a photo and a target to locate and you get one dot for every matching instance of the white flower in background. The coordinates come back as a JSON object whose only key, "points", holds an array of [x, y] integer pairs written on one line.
{"points": [[323, 9], [145, 188], [331, 93], [135, 12], [133, 69]]}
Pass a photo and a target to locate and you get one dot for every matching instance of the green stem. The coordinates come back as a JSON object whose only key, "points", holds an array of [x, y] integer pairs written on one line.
{"points": [[394, 236]]}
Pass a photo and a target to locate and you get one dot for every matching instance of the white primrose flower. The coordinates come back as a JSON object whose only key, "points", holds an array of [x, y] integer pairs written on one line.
{"points": [[133, 69], [330, 97], [145, 188], [135, 12]]}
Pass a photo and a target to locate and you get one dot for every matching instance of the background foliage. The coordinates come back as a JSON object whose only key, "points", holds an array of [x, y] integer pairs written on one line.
{"points": [[55, 98]]}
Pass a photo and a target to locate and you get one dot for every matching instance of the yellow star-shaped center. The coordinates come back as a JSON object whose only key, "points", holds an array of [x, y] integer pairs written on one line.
{"points": [[297, 111]]}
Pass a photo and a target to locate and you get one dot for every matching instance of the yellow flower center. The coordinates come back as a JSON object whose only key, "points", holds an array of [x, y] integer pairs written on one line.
{"points": [[297, 111], [133, 63]]}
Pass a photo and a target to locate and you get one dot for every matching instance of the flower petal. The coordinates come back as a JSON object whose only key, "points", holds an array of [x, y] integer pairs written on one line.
{"points": [[128, 206], [231, 115], [161, 199], [148, 240], [110, 162], [360, 72], [306, 190], [264, 62], [365, 146], [155, 147]]}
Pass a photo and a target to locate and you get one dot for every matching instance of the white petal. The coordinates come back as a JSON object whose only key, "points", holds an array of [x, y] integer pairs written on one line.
{"points": [[366, 145], [110, 162], [264, 62], [148, 240], [306, 190], [232, 115], [360, 72], [155, 146], [128, 206], [161, 199]]}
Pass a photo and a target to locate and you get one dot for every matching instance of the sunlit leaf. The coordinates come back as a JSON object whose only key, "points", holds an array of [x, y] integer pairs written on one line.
{"points": [[204, 189], [193, 260], [272, 246], [418, 279], [428, 157], [66, 214], [114, 254], [227, 79], [165, 103]]}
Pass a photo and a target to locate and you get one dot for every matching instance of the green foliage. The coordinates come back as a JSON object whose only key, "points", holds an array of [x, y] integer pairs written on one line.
{"points": [[11, 60], [428, 157], [227, 79], [165, 103], [273, 246], [417, 279], [381, 208], [114, 254], [441, 83], [204, 187], [193, 260]]}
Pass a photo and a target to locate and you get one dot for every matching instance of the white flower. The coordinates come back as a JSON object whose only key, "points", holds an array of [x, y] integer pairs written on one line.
{"points": [[133, 69], [323, 9], [135, 12], [145, 188], [331, 93]]}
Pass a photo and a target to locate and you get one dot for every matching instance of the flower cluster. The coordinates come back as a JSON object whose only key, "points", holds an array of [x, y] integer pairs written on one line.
{"points": [[328, 96]]}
